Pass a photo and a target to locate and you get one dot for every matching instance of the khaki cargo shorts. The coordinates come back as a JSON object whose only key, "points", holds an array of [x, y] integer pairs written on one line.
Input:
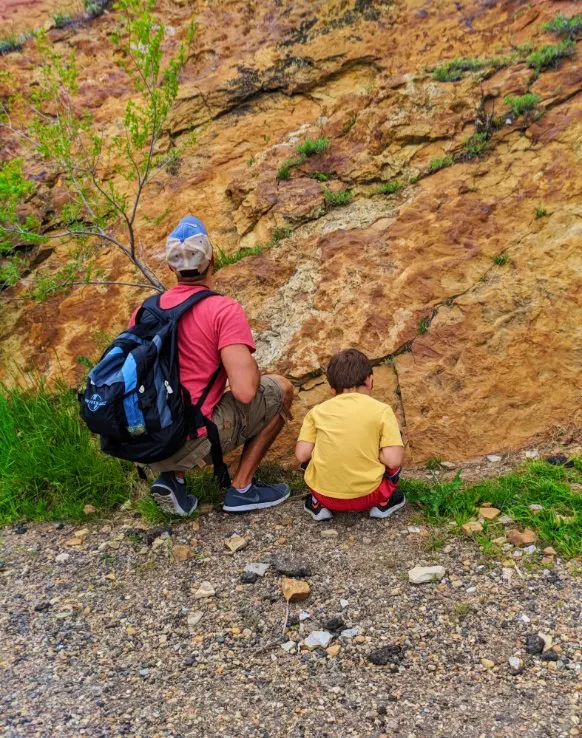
{"points": [[236, 423]]}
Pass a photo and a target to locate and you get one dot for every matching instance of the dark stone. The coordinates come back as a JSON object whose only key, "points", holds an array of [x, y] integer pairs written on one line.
{"points": [[335, 624], [560, 460], [550, 656], [42, 606], [392, 654], [59, 526], [382, 710], [534, 644], [19, 529], [249, 577], [189, 661], [293, 568], [2, 565]]}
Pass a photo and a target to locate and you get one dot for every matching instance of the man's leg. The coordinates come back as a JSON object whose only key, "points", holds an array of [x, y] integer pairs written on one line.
{"points": [[255, 448]]}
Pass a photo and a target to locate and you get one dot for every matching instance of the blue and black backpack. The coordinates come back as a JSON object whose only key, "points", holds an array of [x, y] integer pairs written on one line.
{"points": [[134, 399]]}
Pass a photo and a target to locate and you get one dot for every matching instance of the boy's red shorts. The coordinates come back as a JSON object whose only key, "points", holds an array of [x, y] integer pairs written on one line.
{"points": [[378, 497]]}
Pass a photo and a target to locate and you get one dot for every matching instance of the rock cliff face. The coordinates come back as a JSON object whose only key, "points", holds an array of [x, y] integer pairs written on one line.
{"points": [[468, 301]]}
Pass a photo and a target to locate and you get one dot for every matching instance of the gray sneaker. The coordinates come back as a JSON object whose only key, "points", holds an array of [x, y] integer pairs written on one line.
{"points": [[257, 497], [172, 497]]}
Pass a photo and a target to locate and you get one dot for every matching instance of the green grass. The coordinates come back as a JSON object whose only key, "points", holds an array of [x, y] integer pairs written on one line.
{"points": [[540, 212], [312, 146], [501, 259], [62, 20], [453, 70], [279, 233], [563, 26], [389, 188], [321, 176], [440, 163], [423, 325], [14, 42], [349, 124], [476, 145], [537, 482], [284, 170], [336, 199], [551, 56], [51, 466], [433, 463], [521, 104], [222, 259]]}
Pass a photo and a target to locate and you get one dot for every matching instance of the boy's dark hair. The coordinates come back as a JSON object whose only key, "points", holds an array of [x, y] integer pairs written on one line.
{"points": [[347, 369]]}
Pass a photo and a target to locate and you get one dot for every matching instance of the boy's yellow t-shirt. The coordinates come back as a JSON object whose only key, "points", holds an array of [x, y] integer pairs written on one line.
{"points": [[348, 432]]}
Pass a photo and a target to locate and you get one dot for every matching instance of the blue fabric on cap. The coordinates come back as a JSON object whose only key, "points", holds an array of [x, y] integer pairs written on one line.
{"points": [[188, 226]]}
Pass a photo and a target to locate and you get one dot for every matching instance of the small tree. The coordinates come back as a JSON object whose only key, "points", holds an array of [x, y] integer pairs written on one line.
{"points": [[104, 173]]}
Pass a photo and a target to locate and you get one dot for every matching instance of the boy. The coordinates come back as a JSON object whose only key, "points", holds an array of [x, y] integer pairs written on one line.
{"points": [[353, 445]]}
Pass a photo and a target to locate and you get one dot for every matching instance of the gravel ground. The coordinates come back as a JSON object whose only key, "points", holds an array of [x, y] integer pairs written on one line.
{"points": [[100, 638]]}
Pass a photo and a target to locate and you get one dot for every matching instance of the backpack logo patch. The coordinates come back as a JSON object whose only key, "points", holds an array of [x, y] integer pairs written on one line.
{"points": [[95, 402]]}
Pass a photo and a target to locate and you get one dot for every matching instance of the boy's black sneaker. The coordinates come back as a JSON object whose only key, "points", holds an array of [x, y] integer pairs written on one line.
{"points": [[318, 512], [172, 497], [395, 503]]}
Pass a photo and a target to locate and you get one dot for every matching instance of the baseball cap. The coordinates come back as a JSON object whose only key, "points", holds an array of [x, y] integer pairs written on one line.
{"points": [[188, 247]]}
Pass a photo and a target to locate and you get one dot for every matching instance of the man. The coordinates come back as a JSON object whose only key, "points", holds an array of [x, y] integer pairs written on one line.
{"points": [[215, 333]]}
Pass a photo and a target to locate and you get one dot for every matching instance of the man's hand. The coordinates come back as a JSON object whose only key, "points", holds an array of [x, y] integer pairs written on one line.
{"points": [[303, 451], [242, 371], [391, 456]]}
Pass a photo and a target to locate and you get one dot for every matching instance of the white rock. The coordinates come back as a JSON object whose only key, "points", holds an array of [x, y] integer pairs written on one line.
{"points": [[529, 550], [414, 529], [329, 533], [518, 554], [61, 558], [344, 604], [531, 453], [494, 458], [289, 646], [448, 465], [304, 616], [194, 618], [525, 618], [470, 590], [535, 508], [424, 574], [507, 573], [318, 639], [505, 520], [258, 568], [350, 632], [204, 590], [515, 664]]}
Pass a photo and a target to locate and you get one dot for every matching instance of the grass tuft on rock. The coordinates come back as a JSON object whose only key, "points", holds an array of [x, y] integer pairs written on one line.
{"points": [[476, 145], [521, 104], [440, 163], [563, 26], [312, 146], [51, 464], [453, 70], [336, 199], [551, 56], [389, 188]]}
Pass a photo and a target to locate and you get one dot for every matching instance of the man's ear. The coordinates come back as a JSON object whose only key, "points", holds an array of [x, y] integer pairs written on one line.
{"points": [[370, 382]]}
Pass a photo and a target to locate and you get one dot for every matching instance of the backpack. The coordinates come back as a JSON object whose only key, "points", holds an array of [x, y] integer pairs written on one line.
{"points": [[134, 399]]}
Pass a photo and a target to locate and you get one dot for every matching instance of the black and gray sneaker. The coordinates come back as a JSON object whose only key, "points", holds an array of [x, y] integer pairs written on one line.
{"points": [[318, 512], [172, 497], [395, 503], [257, 497]]}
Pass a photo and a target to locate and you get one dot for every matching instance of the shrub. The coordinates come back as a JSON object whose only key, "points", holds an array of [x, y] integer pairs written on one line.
{"points": [[51, 464], [452, 71], [62, 20], [12, 42], [322, 176], [562, 26], [551, 56], [389, 188], [476, 145], [284, 170], [312, 146], [501, 259], [437, 164], [540, 212], [335, 199], [521, 104]]}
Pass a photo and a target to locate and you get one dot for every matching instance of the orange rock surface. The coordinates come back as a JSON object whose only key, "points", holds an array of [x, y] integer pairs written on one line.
{"points": [[474, 356]]}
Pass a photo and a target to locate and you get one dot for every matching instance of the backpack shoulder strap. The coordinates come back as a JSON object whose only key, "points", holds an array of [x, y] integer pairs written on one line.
{"points": [[152, 304]]}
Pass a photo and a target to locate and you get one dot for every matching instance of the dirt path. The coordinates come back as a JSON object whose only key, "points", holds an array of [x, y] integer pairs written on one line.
{"points": [[97, 642]]}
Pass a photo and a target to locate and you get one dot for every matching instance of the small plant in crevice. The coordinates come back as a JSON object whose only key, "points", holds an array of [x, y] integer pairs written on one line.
{"points": [[563, 26], [222, 259], [321, 176], [251, 162], [279, 233], [335, 199], [453, 70], [433, 463], [540, 212], [521, 104], [389, 188], [440, 163], [284, 170], [423, 325], [312, 146], [62, 20], [349, 124], [13, 42], [476, 145], [548, 57], [501, 259]]}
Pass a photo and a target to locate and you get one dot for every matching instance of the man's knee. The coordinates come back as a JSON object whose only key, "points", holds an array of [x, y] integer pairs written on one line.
{"points": [[287, 389]]}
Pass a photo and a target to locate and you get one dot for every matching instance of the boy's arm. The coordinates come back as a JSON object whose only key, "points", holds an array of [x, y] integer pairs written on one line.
{"points": [[306, 441], [391, 449]]}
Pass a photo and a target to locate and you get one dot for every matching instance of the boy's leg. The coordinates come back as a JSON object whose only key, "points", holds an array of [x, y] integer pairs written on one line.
{"points": [[391, 499]]}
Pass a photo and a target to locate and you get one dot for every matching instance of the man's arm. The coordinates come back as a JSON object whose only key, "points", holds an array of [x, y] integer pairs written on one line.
{"points": [[303, 450], [242, 371], [391, 456]]}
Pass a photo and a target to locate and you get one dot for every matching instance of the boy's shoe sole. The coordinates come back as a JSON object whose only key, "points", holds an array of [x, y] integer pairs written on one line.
{"points": [[167, 502], [319, 514], [250, 506], [377, 512]]}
